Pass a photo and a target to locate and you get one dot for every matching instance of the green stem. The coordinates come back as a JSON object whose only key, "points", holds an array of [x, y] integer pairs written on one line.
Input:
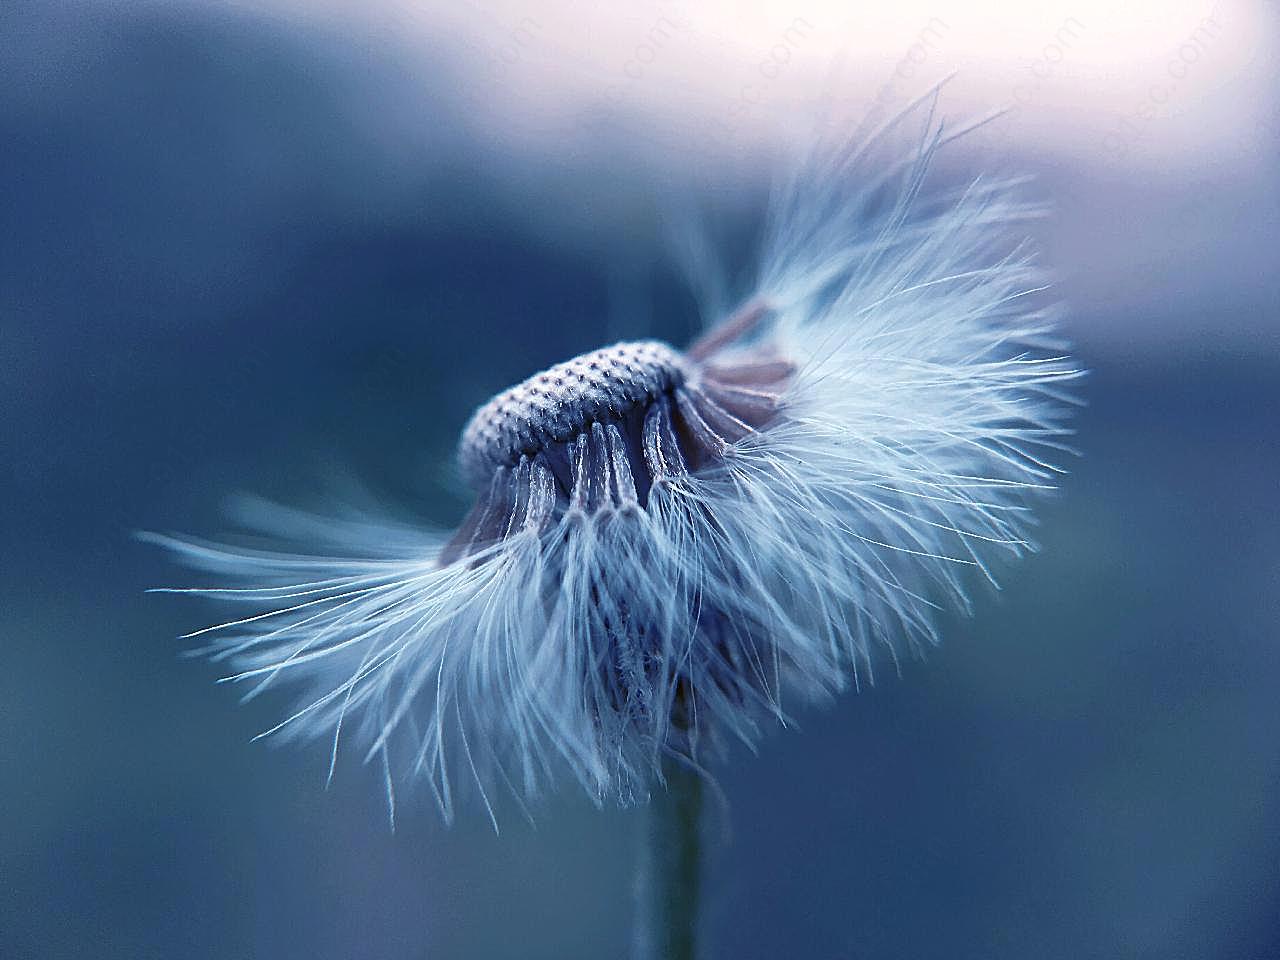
{"points": [[668, 876]]}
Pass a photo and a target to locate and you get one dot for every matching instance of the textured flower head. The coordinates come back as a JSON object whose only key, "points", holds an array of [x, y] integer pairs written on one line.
{"points": [[668, 547]]}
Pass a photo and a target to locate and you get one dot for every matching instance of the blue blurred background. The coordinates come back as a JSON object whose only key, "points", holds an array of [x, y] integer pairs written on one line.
{"points": [[285, 248]]}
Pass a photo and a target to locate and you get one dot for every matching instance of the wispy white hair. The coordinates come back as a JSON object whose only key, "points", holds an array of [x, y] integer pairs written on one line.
{"points": [[668, 548]]}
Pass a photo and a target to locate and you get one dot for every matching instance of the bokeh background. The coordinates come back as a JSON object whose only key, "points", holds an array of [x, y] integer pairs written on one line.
{"points": [[285, 247]]}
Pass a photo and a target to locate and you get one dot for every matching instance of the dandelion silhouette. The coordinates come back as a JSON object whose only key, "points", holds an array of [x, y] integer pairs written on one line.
{"points": [[668, 548]]}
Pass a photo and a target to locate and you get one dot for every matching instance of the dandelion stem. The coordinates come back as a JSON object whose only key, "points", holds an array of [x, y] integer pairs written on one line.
{"points": [[668, 867]]}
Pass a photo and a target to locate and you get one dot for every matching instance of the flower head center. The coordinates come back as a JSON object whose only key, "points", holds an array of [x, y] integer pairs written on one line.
{"points": [[563, 402]]}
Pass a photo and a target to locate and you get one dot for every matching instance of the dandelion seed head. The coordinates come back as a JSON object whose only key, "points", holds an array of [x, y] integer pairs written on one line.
{"points": [[670, 550]]}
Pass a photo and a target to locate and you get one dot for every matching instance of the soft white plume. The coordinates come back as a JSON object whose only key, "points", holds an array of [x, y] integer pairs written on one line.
{"points": [[754, 523]]}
